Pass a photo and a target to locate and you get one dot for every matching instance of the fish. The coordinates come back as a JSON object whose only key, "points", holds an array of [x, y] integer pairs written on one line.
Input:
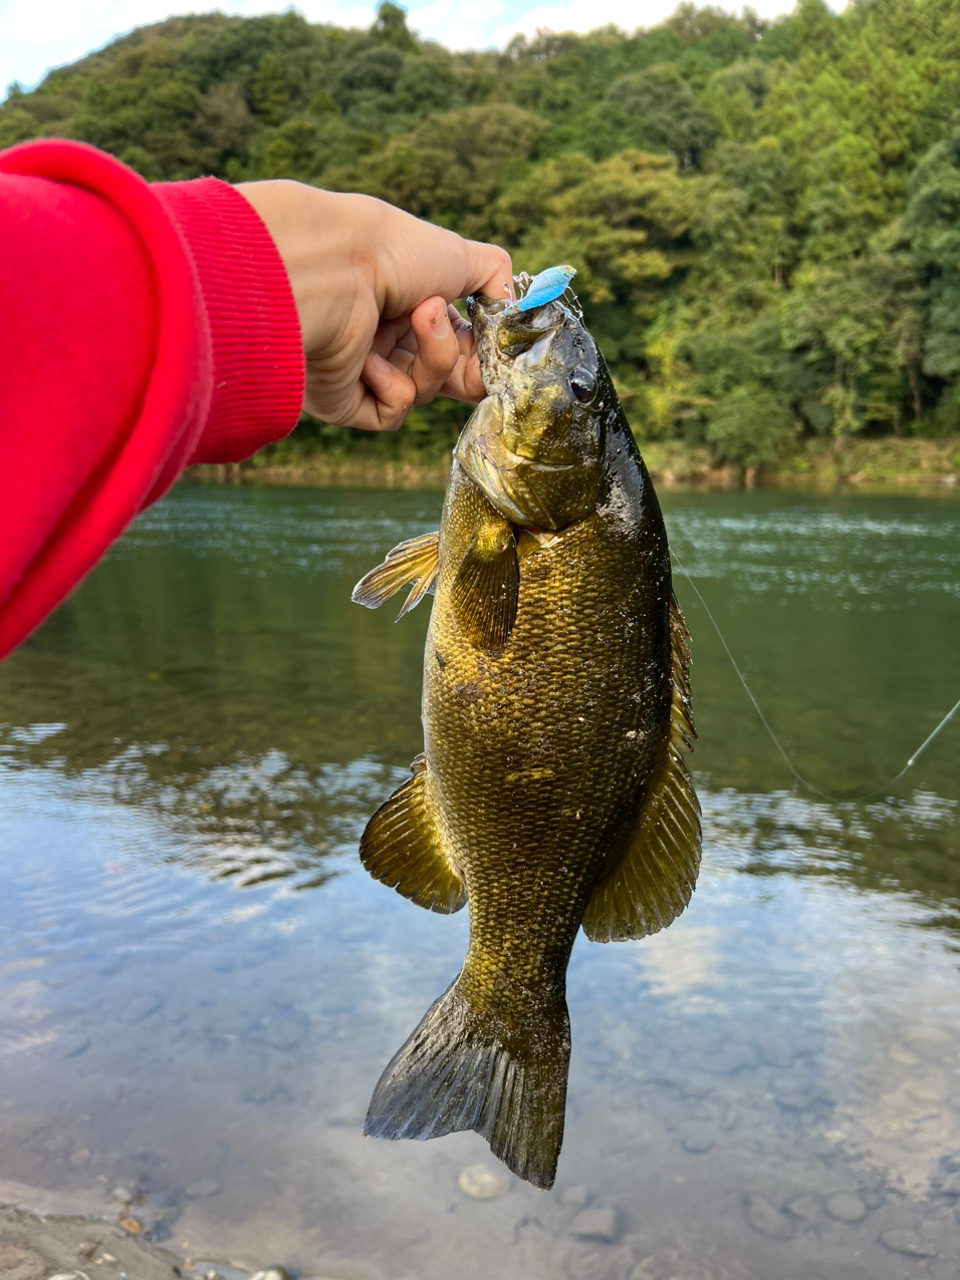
{"points": [[552, 793]]}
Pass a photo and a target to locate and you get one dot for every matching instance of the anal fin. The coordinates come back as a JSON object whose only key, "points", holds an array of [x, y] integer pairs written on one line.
{"points": [[486, 588], [414, 562], [402, 847], [653, 881]]}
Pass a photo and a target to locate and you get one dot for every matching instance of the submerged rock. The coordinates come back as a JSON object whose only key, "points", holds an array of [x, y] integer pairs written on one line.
{"points": [[804, 1207], [140, 1008], [577, 1197], [766, 1219], [697, 1143], [481, 1182], [845, 1207], [201, 1187], [726, 1059], [73, 1044], [602, 1223], [903, 1240]]}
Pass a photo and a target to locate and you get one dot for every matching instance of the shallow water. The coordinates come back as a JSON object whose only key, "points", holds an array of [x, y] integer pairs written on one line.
{"points": [[199, 986]]}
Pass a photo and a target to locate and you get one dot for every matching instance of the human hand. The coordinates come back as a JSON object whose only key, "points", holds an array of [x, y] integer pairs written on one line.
{"points": [[372, 287]]}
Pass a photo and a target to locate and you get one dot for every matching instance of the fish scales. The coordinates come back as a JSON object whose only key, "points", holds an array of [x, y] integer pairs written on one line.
{"points": [[552, 792], [583, 680]]}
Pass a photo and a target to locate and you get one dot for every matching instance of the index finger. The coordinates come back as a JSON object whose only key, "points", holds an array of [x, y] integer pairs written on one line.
{"points": [[499, 283]]}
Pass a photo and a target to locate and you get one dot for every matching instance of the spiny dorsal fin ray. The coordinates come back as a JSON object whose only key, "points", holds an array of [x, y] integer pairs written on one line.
{"points": [[413, 562], [654, 879], [403, 848], [486, 588]]}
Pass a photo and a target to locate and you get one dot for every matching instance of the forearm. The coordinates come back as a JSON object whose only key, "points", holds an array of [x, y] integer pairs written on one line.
{"points": [[139, 333], [144, 328]]}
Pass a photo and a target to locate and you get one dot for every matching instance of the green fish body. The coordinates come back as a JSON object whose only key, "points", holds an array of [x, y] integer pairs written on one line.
{"points": [[552, 792]]}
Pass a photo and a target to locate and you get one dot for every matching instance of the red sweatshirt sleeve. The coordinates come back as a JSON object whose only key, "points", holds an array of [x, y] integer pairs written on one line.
{"points": [[142, 328]]}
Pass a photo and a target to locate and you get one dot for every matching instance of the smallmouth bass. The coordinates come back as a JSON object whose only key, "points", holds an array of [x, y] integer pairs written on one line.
{"points": [[552, 792]]}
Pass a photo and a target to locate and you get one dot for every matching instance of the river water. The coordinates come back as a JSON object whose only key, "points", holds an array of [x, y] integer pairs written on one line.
{"points": [[199, 985]]}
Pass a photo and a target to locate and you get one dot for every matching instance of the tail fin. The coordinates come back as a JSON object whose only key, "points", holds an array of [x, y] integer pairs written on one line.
{"points": [[461, 1069]]}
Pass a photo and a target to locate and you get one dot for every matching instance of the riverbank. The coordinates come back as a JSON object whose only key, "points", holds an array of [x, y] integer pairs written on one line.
{"points": [[86, 1231], [32, 1248], [927, 466], [37, 1245]]}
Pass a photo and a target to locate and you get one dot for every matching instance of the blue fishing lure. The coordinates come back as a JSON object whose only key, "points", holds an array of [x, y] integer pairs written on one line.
{"points": [[544, 288]]}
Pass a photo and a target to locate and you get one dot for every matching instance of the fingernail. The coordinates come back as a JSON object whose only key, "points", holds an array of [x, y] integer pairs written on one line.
{"points": [[440, 325]]}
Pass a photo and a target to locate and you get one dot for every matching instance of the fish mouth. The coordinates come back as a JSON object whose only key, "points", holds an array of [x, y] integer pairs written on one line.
{"points": [[485, 305], [503, 338]]}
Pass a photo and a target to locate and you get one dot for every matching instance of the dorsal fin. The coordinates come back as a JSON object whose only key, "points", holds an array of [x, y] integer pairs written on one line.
{"points": [[654, 879], [402, 847], [413, 562]]}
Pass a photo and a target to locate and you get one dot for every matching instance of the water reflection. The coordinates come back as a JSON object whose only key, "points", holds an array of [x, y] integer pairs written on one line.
{"points": [[768, 1088]]}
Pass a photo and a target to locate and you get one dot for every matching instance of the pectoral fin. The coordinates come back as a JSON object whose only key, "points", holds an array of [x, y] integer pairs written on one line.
{"points": [[486, 588], [402, 847], [414, 562], [654, 879]]}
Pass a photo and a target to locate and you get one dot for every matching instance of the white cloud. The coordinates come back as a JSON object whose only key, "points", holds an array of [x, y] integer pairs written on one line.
{"points": [[42, 22], [37, 35], [586, 15], [342, 15], [467, 24], [682, 962]]}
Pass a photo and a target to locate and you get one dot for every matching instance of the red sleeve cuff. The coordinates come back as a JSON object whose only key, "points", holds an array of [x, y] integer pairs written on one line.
{"points": [[220, 355], [258, 364]]}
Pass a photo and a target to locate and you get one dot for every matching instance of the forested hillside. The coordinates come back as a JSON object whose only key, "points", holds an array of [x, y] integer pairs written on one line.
{"points": [[765, 218]]}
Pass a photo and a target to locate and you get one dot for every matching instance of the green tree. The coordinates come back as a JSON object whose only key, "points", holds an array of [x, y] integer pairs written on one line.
{"points": [[860, 328], [624, 224], [269, 91], [764, 216], [749, 427], [452, 167], [652, 110], [391, 27], [932, 224]]}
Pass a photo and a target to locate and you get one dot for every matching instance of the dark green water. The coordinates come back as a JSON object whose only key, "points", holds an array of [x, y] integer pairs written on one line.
{"points": [[197, 980]]}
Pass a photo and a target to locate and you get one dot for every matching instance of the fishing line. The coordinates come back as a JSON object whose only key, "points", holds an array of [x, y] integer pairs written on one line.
{"points": [[867, 795]]}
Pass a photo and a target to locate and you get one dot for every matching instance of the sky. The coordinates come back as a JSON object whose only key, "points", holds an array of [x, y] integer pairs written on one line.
{"points": [[36, 35]]}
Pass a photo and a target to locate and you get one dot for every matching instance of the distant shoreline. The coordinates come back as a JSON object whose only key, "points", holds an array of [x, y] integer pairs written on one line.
{"points": [[926, 467]]}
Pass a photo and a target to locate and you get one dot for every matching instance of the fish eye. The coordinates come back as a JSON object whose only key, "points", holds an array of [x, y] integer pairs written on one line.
{"points": [[583, 383]]}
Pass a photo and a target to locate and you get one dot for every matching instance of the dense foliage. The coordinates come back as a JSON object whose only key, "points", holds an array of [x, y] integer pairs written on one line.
{"points": [[765, 218]]}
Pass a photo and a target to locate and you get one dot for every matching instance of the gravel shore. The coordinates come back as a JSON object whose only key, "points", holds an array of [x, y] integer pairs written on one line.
{"points": [[33, 1248]]}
